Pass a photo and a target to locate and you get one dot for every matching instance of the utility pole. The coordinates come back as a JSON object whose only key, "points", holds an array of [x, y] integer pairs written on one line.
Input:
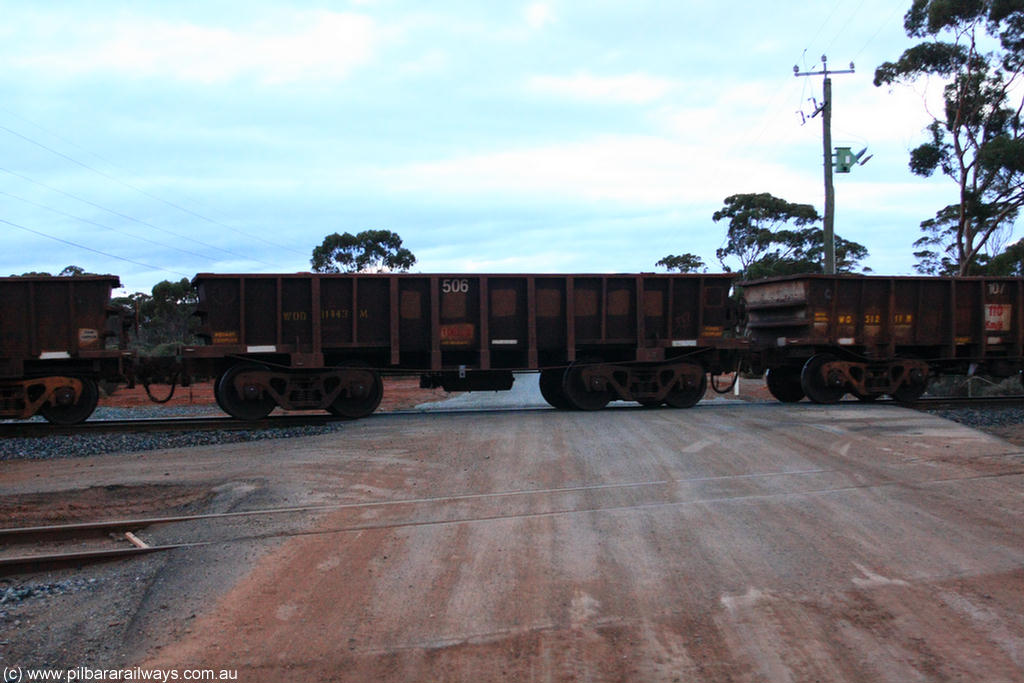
{"points": [[826, 122]]}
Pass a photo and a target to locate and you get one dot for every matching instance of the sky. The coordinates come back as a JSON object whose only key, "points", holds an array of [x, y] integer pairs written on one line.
{"points": [[158, 140]]}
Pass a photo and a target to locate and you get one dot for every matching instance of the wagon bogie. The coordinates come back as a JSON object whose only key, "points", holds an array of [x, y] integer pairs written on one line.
{"points": [[680, 384], [250, 391], [60, 399]]}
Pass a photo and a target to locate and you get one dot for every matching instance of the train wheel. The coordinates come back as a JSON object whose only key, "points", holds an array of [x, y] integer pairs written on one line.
{"points": [[365, 396], [68, 413], [912, 389], [577, 394], [252, 404], [784, 384], [818, 388], [216, 392], [681, 396], [551, 389]]}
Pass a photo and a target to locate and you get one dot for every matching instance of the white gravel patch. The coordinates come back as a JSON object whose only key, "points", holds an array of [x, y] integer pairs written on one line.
{"points": [[525, 393]]}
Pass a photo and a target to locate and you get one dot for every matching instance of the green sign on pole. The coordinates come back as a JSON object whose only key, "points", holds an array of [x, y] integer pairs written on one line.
{"points": [[845, 159]]}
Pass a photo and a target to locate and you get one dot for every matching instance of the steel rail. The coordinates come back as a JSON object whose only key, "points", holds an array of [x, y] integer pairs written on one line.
{"points": [[931, 402], [213, 423], [166, 424], [21, 564]]}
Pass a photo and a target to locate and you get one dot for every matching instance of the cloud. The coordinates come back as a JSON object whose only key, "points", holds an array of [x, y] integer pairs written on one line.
{"points": [[538, 15], [430, 62], [307, 46], [635, 88], [648, 170], [535, 261]]}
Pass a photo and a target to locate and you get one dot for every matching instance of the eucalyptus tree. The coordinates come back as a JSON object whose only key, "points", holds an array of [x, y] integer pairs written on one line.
{"points": [[367, 251], [683, 263], [768, 235], [976, 48]]}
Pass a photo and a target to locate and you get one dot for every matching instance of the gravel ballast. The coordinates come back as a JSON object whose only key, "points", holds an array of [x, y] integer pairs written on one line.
{"points": [[83, 445], [980, 418]]}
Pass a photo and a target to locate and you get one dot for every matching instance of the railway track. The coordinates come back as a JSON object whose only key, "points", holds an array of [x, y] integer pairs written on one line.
{"points": [[939, 402], [37, 548], [71, 545], [118, 539], [165, 424], [213, 423]]}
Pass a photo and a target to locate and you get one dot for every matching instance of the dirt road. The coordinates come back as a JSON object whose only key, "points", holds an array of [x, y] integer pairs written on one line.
{"points": [[724, 543]]}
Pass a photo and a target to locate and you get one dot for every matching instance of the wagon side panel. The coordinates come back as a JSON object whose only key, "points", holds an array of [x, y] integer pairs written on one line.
{"points": [[553, 320], [15, 333]]}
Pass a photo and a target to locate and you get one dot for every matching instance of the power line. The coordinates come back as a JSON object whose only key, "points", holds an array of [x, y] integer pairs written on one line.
{"points": [[105, 227], [141, 191], [753, 134], [895, 11], [130, 218], [835, 7], [782, 93], [847, 23], [95, 251], [60, 137]]}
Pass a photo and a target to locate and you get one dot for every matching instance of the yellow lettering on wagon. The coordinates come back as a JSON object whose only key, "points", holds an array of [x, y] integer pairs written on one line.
{"points": [[295, 316], [225, 337], [334, 314]]}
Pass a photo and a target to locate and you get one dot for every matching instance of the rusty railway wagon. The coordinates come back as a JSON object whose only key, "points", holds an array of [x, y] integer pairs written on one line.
{"points": [[823, 336], [54, 338], [319, 341]]}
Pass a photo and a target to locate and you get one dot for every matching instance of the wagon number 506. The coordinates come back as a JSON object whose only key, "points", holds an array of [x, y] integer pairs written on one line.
{"points": [[450, 285]]}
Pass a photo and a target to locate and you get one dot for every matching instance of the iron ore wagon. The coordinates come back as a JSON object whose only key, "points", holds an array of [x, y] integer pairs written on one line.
{"points": [[54, 338], [322, 341], [826, 335]]}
